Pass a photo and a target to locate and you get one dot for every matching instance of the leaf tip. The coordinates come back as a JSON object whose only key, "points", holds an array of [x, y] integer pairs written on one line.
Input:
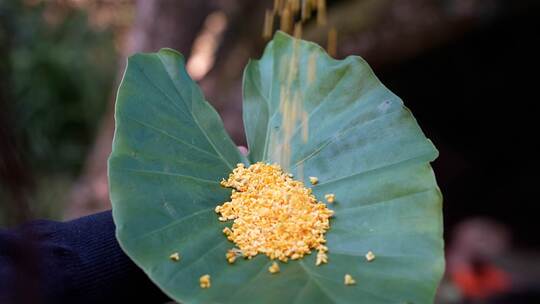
{"points": [[172, 52]]}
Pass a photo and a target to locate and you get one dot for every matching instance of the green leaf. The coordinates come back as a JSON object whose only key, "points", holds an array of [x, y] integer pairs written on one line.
{"points": [[170, 151]]}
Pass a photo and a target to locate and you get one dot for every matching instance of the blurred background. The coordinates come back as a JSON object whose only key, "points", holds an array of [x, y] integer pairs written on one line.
{"points": [[466, 68]]}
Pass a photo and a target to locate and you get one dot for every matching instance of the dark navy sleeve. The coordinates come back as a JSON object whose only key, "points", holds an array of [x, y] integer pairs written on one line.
{"points": [[78, 261]]}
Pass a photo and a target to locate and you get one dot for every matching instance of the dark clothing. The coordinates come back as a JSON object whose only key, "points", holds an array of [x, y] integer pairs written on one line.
{"points": [[78, 261]]}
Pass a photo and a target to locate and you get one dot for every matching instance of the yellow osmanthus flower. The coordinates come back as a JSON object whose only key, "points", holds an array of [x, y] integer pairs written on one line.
{"points": [[330, 198], [274, 268], [274, 214], [321, 256], [348, 280], [204, 281], [175, 257], [370, 256], [232, 254]]}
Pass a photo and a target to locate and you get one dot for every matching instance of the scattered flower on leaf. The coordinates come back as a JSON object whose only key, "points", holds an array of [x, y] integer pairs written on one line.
{"points": [[330, 198], [321, 258], [204, 281], [348, 280], [274, 268], [231, 255], [370, 256], [175, 257]]}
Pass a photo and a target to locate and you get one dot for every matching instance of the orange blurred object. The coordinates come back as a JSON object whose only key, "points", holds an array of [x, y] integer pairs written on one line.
{"points": [[481, 283]]}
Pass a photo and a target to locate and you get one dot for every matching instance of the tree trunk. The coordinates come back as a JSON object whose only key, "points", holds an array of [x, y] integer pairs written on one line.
{"points": [[157, 24]]}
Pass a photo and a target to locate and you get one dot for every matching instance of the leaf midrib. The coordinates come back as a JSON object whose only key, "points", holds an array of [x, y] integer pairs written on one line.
{"points": [[211, 142], [176, 106], [174, 223], [170, 136]]}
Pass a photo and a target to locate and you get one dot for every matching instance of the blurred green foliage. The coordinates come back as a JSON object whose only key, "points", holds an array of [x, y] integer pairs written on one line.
{"points": [[62, 77], [61, 73]]}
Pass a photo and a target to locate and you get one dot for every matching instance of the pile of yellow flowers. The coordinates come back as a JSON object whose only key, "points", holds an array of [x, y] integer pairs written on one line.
{"points": [[273, 214]]}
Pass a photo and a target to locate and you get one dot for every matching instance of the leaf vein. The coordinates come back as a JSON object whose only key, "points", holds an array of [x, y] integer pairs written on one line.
{"points": [[175, 105], [412, 159], [171, 174], [171, 136], [195, 118]]}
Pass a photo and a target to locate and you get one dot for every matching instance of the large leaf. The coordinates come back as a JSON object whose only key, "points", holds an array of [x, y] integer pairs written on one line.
{"points": [[170, 151]]}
